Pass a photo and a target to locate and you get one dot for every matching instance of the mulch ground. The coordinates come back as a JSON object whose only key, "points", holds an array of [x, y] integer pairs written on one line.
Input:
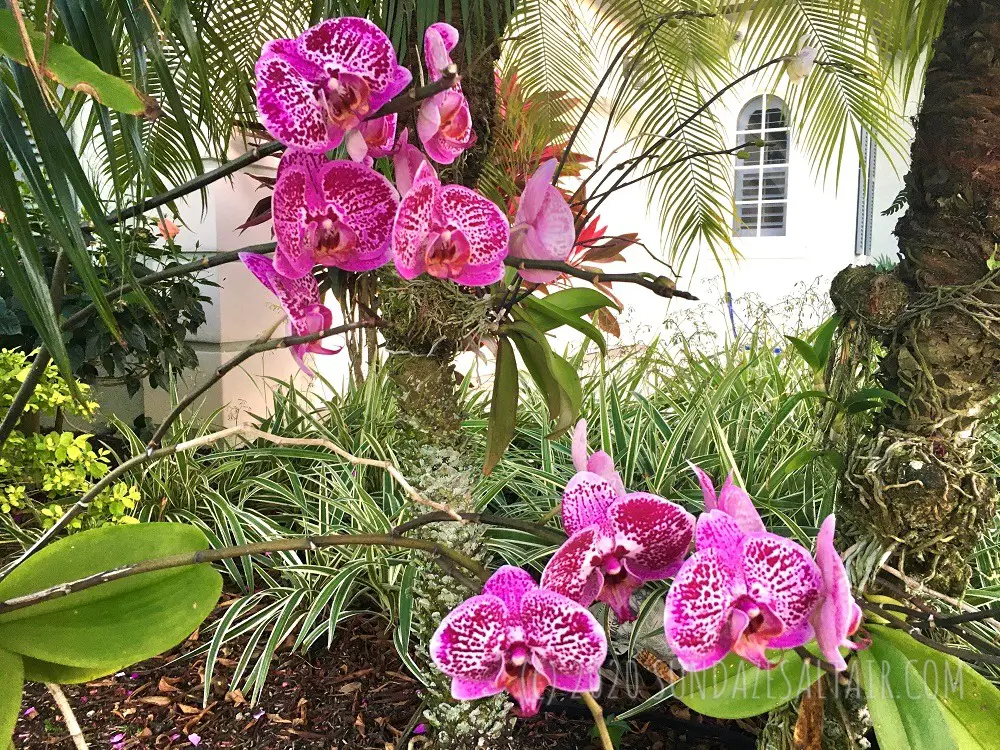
{"points": [[354, 695]]}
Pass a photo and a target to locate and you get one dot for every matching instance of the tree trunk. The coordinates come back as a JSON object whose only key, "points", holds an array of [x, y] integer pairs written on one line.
{"points": [[915, 484]]}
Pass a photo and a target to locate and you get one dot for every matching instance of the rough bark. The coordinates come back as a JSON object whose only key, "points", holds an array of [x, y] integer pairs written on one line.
{"points": [[915, 484]]}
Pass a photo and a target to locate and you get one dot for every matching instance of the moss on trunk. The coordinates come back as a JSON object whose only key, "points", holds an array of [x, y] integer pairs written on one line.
{"points": [[914, 483]]}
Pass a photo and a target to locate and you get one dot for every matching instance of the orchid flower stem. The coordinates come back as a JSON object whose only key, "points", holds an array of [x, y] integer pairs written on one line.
{"points": [[659, 285], [263, 344], [411, 98], [660, 140], [598, 713], [42, 357], [931, 620], [544, 533], [891, 621], [812, 660], [294, 544]]}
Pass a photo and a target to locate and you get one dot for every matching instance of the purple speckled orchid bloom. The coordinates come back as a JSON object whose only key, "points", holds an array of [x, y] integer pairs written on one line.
{"points": [[599, 462], [543, 228], [444, 125], [450, 232], [740, 592], [838, 615], [371, 139], [444, 122], [312, 89], [334, 213], [732, 500], [300, 300], [406, 161], [520, 638], [616, 543]]}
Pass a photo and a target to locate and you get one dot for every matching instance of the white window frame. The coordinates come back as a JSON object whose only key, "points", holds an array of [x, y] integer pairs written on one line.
{"points": [[761, 102]]}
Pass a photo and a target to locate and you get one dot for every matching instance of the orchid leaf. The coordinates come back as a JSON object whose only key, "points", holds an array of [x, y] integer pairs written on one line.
{"points": [[547, 316], [922, 698], [73, 71], [11, 685], [98, 630], [735, 689], [503, 405]]}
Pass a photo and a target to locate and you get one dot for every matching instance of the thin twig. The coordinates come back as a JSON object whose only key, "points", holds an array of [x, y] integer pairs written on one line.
{"points": [[914, 632], [185, 559], [660, 285], [544, 533], [598, 713], [386, 466], [262, 344], [411, 98], [72, 725], [811, 660]]}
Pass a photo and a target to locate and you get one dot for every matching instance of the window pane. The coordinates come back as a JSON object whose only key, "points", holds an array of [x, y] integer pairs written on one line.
{"points": [[751, 110], [747, 184], [746, 221], [775, 118], [772, 219], [775, 184], [752, 152], [776, 151]]}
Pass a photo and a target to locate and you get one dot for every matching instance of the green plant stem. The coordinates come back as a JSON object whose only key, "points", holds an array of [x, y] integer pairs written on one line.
{"points": [[304, 543], [42, 357], [264, 344], [960, 653], [541, 532], [660, 285], [598, 713]]}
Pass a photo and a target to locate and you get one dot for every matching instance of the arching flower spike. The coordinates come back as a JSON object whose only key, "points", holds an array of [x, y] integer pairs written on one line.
{"points": [[543, 228], [313, 89], [332, 213], [740, 592], [616, 543], [838, 615], [518, 638], [300, 300], [450, 232]]}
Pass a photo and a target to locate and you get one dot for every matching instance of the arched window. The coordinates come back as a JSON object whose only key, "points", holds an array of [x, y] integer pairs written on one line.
{"points": [[761, 186]]}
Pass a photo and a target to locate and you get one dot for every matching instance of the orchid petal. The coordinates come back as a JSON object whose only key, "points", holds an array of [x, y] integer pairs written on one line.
{"points": [[736, 502], [411, 227], [579, 448], [286, 102], [697, 611], [293, 257], [838, 615], [718, 530], [469, 642], [586, 501], [657, 532], [510, 584], [568, 644], [444, 125], [357, 147], [470, 690], [707, 487], [484, 226], [572, 572], [439, 41], [406, 160], [617, 594], [526, 688], [780, 574]]}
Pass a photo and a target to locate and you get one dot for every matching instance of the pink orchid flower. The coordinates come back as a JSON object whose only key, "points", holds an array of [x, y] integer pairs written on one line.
{"points": [[371, 139], [520, 638], [450, 232], [616, 543], [732, 500], [334, 213], [599, 463], [742, 591], [838, 614], [406, 161], [444, 122], [543, 228], [300, 300], [167, 229], [313, 89]]}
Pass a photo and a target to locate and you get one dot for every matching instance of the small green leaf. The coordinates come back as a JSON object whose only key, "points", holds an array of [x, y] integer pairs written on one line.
{"points": [[99, 630], [547, 316], [542, 366], [70, 69], [823, 339], [11, 685], [503, 405], [805, 351], [922, 699], [735, 689]]}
